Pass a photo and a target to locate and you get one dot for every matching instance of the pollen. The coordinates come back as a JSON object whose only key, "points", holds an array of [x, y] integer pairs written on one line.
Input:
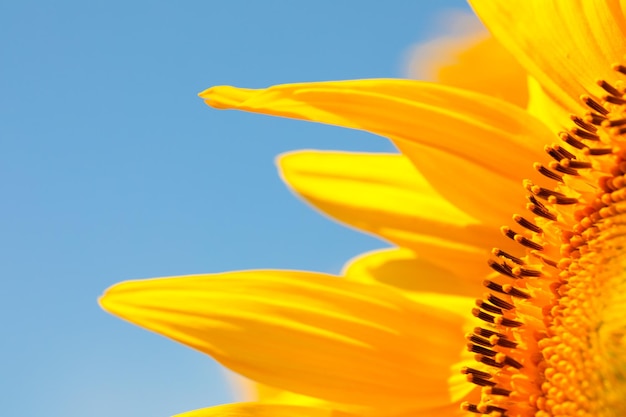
{"points": [[553, 342]]}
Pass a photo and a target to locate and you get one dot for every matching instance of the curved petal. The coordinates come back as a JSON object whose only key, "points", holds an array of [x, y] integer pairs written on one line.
{"points": [[565, 44], [488, 68], [265, 393], [474, 126], [493, 138], [405, 270], [471, 186], [472, 60], [545, 108], [310, 333], [388, 183], [262, 410], [269, 395], [383, 194], [290, 410]]}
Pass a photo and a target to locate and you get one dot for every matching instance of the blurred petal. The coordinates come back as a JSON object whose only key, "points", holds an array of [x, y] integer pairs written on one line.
{"points": [[475, 126], [565, 44], [457, 32], [261, 410], [546, 109], [487, 68], [291, 410], [404, 269], [469, 185], [430, 123], [309, 333], [269, 394], [383, 194], [468, 57], [388, 183]]}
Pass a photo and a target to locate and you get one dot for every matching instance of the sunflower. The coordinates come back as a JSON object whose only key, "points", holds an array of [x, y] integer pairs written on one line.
{"points": [[403, 333]]}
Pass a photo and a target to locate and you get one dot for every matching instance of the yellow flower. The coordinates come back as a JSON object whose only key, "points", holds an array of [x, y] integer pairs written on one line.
{"points": [[551, 338]]}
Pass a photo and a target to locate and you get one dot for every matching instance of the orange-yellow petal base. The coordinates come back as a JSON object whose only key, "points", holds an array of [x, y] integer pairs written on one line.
{"points": [[554, 333], [313, 334], [263, 410], [552, 339]]}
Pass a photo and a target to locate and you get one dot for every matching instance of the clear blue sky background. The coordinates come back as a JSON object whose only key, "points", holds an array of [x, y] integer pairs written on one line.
{"points": [[111, 168]]}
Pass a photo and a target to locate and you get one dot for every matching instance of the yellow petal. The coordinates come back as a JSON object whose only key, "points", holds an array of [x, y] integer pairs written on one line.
{"points": [[269, 394], [290, 410], [383, 194], [468, 184], [262, 410], [467, 57], [474, 126], [309, 333], [565, 44], [431, 124], [264, 393], [488, 68], [404, 269], [387, 183], [547, 109]]}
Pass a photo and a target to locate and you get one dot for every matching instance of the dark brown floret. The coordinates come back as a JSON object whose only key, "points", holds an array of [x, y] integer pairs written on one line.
{"points": [[498, 343], [594, 118], [503, 321], [600, 151], [594, 105], [487, 333], [509, 290], [562, 200], [547, 173], [499, 391], [524, 241], [488, 307], [515, 292], [526, 272], [505, 343], [613, 99], [563, 167], [542, 192], [527, 224], [541, 211], [614, 122], [571, 140], [582, 124], [501, 268], [480, 381], [608, 88], [470, 408], [499, 302], [474, 338], [468, 370], [488, 361], [552, 151], [481, 350], [572, 163], [483, 316], [512, 362], [561, 150], [499, 252], [583, 134]]}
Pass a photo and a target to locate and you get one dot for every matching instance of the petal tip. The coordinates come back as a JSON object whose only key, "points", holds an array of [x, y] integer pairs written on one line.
{"points": [[283, 160], [202, 94], [225, 96], [106, 300], [118, 296]]}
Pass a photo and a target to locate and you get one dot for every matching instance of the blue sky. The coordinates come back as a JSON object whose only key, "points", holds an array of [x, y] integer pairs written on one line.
{"points": [[111, 168]]}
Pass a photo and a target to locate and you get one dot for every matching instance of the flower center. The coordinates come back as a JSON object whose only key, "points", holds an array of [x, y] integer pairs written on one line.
{"points": [[554, 338]]}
